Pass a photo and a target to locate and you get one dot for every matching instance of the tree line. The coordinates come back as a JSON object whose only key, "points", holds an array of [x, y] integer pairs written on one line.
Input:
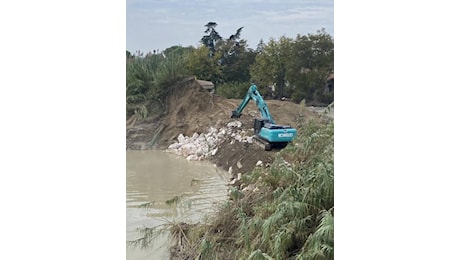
{"points": [[292, 68]]}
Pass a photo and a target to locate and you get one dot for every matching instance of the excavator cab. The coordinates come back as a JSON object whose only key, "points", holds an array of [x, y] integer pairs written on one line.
{"points": [[259, 123]]}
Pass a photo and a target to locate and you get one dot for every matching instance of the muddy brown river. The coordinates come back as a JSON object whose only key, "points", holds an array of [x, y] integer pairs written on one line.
{"points": [[158, 176]]}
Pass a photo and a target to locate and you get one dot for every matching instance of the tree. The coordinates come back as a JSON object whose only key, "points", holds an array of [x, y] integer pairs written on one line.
{"points": [[270, 65], [236, 36], [235, 60], [212, 38], [178, 51], [149, 79], [129, 55], [311, 62], [227, 60], [297, 68], [260, 46], [204, 66]]}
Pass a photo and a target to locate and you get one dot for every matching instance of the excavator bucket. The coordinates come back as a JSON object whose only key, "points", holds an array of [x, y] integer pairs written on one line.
{"points": [[235, 114]]}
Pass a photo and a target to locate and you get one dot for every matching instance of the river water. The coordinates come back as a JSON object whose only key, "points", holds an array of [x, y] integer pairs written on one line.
{"points": [[157, 176]]}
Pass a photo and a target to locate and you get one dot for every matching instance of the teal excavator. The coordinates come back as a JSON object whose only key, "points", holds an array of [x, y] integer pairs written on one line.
{"points": [[266, 130]]}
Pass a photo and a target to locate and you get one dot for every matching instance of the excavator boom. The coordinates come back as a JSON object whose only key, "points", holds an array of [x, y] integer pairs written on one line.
{"points": [[254, 95]]}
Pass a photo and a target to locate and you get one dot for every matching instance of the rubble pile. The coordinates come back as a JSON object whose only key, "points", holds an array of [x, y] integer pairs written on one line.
{"points": [[204, 145]]}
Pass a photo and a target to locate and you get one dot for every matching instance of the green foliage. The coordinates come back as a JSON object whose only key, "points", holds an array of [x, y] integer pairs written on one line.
{"points": [[206, 249], [312, 62], [150, 78], [129, 55], [139, 79], [233, 89], [147, 205], [303, 197], [327, 98], [270, 66], [177, 51], [173, 201], [320, 244], [148, 236], [298, 68], [221, 60], [235, 61], [170, 71], [203, 66], [259, 255]]}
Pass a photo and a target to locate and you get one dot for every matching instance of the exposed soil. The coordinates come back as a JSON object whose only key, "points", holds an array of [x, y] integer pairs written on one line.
{"points": [[191, 109]]}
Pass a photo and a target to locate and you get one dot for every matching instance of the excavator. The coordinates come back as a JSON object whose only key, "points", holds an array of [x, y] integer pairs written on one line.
{"points": [[266, 131]]}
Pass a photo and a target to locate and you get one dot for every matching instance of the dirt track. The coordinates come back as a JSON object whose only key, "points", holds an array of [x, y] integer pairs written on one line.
{"points": [[194, 110]]}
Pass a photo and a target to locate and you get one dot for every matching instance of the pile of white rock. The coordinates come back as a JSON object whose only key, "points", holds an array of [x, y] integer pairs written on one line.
{"points": [[202, 146]]}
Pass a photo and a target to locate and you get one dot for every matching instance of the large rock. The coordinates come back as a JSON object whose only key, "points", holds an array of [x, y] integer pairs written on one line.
{"points": [[193, 157], [181, 138], [204, 145], [234, 124], [188, 149], [174, 146]]}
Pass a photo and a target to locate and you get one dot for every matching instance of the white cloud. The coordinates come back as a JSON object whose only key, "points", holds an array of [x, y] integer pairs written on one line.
{"points": [[299, 14]]}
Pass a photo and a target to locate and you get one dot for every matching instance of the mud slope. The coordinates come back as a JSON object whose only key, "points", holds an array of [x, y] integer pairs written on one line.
{"points": [[190, 109]]}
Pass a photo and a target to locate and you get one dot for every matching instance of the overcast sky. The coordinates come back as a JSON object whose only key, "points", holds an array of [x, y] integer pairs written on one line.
{"points": [[159, 24]]}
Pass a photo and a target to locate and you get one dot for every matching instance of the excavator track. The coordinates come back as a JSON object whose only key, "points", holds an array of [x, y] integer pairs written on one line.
{"points": [[267, 145], [263, 143]]}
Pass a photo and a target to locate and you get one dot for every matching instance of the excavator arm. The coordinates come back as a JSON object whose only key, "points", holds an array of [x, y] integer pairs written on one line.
{"points": [[261, 105], [237, 113]]}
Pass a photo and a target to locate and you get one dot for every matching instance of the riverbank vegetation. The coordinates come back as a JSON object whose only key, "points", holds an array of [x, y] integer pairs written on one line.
{"points": [[285, 211], [149, 80]]}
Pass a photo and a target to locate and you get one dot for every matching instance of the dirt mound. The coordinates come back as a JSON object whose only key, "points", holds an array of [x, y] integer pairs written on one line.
{"points": [[191, 109], [241, 157]]}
